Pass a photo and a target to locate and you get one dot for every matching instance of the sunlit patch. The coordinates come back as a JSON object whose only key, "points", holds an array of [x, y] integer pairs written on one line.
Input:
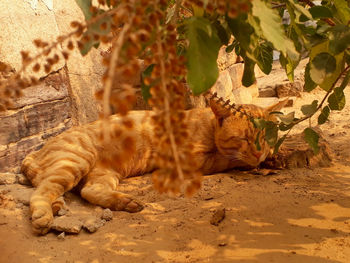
{"points": [[156, 206], [196, 247], [257, 224], [328, 214], [86, 243], [265, 233], [212, 204], [47, 259]]}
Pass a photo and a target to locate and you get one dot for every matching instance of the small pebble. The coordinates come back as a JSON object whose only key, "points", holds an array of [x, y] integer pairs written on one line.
{"points": [[107, 214], [61, 236], [218, 216], [62, 212]]}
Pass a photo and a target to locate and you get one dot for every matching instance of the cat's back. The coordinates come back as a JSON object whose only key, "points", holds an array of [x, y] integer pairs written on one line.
{"points": [[79, 144]]}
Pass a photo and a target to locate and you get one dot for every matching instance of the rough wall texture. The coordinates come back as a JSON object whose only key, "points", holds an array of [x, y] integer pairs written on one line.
{"points": [[66, 95]]}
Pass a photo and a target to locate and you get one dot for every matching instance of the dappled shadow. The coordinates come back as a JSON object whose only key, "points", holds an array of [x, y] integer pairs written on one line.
{"points": [[298, 215]]}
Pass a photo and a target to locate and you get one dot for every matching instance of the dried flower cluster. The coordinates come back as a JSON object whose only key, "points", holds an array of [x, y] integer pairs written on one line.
{"points": [[135, 29]]}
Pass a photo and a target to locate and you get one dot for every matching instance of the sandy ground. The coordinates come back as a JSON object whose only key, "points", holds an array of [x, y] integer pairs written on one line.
{"points": [[299, 215]]}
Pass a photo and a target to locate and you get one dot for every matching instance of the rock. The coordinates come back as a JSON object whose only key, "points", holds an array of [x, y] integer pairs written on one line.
{"points": [[107, 214], [267, 91], [19, 205], [23, 180], [236, 74], [290, 102], [225, 59], [21, 194], [223, 86], [59, 207], [20, 34], [218, 216], [192, 101], [62, 236], [33, 120], [54, 87], [93, 224], [12, 155], [245, 95], [265, 102], [296, 153], [62, 212], [67, 224], [7, 178], [287, 89]]}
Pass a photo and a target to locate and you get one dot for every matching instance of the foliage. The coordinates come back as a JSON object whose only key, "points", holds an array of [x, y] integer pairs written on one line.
{"points": [[180, 39]]}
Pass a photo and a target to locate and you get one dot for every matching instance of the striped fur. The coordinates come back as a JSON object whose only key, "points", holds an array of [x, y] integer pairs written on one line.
{"points": [[222, 140]]}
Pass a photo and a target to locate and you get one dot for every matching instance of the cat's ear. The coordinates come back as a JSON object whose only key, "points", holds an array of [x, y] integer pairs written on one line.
{"points": [[220, 111], [276, 107]]}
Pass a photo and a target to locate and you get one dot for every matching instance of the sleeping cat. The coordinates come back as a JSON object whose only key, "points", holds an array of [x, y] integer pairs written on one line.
{"points": [[222, 139]]}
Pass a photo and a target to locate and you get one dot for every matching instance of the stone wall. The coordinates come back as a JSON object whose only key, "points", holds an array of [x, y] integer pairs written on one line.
{"points": [[66, 95]]}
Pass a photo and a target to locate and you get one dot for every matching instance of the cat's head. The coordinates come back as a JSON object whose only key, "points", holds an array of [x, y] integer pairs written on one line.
{"points": [[235, 134]]}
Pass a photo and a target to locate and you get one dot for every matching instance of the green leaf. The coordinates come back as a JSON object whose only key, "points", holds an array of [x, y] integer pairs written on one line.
{"points": [[279, 143], [87, 46], [287, 119], [272, 29], [319, 11], [289, 66], [323, 117], [308, 110], [222, 33], [263, 54], [248, 78], [257, 141], [329, 81], [343, 10], [322, 65], [311, 137], [145, 89], [339, 39], [285, 127], [337, 99], [231, 47], [241, 30], [85, 7], [259, 123], [309, 83], [345, 81], [300, 9], [202, 53], [271, 133], [197, 10]]}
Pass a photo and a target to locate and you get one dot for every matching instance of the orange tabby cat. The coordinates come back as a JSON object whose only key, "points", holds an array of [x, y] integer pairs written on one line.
{"points": [[222, 139]]}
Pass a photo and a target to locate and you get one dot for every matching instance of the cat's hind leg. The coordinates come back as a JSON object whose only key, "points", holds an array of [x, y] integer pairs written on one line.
{"points": [[100, 188]]}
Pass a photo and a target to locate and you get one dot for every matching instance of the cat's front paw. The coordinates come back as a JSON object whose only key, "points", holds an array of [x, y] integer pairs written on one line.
{"points": [[41, 220], [129, 204]]}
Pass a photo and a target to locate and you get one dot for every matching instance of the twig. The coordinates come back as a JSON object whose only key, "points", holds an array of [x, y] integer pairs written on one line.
{"points": [[176, 12], [326, 96], [278, 5], [168, 125], [112, 66]]}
